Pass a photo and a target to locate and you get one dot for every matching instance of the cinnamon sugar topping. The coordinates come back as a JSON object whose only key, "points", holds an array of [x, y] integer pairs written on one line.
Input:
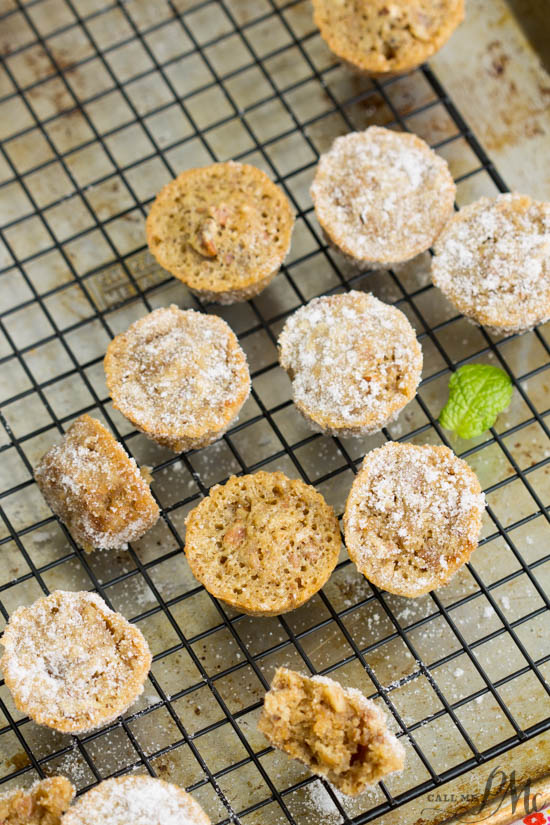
{"points": [[493, 262], [382, 196], [354, 362], [413, 517], [71, 663], [136, 800], [179, 376]]}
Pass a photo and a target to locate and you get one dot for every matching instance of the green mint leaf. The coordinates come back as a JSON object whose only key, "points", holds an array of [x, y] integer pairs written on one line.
{"points": [[477, 394]]}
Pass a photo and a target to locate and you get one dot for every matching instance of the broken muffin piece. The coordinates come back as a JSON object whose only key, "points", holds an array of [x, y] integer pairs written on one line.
{"points": [[42, 804], [337, 732]]}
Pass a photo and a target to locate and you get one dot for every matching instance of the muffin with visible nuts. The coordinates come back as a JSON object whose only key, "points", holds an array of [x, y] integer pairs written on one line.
{"points": [[337, 732], [95, 488], [413, 517], [224, 230], [179, 376], [492, 262], [354, 362], [262, 543], [41, 804], [382, 38], [381, 196]]}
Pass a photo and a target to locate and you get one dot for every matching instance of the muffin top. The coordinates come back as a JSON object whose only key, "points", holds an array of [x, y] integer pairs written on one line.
{"points": [[263, 543], [382, 196], [178, 375], [381, 37], [71, 663], [220, 228], [493, 262], [354, 362], [413, 517], [135, 800]]}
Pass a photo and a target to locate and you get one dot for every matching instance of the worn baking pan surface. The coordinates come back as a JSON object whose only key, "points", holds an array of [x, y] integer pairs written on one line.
{"points": [[100, 104]]}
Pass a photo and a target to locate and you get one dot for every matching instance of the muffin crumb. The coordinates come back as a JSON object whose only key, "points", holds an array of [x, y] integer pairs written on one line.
{"points": [[337, 732]]}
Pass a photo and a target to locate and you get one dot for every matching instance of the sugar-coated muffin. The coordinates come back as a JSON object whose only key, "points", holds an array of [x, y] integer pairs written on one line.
{"points": [[492, 261], [179, 376], [95, 488], [354, 362], [413, 517], [135, 800], [382, 196], [71, 663]]}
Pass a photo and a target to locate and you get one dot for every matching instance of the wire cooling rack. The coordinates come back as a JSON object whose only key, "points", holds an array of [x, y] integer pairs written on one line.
{"points": [[101, 103]]}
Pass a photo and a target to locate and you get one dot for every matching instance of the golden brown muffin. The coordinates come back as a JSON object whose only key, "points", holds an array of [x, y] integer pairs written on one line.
{"points": [[381, 196], [337, 732], [71, 663], [354, 362], [263, 543], [492, 262], [224, 230], [95, 488], [179, 376], [413, 517], [135, 800], [41, 804], [382, 38]]}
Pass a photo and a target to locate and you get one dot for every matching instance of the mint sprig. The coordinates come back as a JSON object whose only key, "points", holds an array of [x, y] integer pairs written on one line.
{"points": [[477, 394]]}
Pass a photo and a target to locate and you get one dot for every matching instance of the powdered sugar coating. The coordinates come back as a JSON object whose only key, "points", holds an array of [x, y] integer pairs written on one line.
{"points": [[135, 800], [382, 196], [493, 262], [71, 663], [179, 376], [413, 517], [354, 362], [95, 488]]}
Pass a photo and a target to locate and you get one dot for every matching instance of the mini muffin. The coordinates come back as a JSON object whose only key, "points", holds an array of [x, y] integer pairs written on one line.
{"points": [[262, 543], [381, 196], [224, 230], [41, 804], [383, 38], [95, 488], [492, 262], [354, 362], [179, 376], [413, 517], [135, 800], [337, 732], [71, 663]]}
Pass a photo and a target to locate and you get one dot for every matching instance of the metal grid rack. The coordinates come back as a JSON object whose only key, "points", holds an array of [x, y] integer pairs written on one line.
{"points": [[100, 103]]}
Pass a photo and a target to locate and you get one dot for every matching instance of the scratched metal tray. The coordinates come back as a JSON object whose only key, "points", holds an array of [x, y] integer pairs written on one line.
{"points": [[101, 103]]}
